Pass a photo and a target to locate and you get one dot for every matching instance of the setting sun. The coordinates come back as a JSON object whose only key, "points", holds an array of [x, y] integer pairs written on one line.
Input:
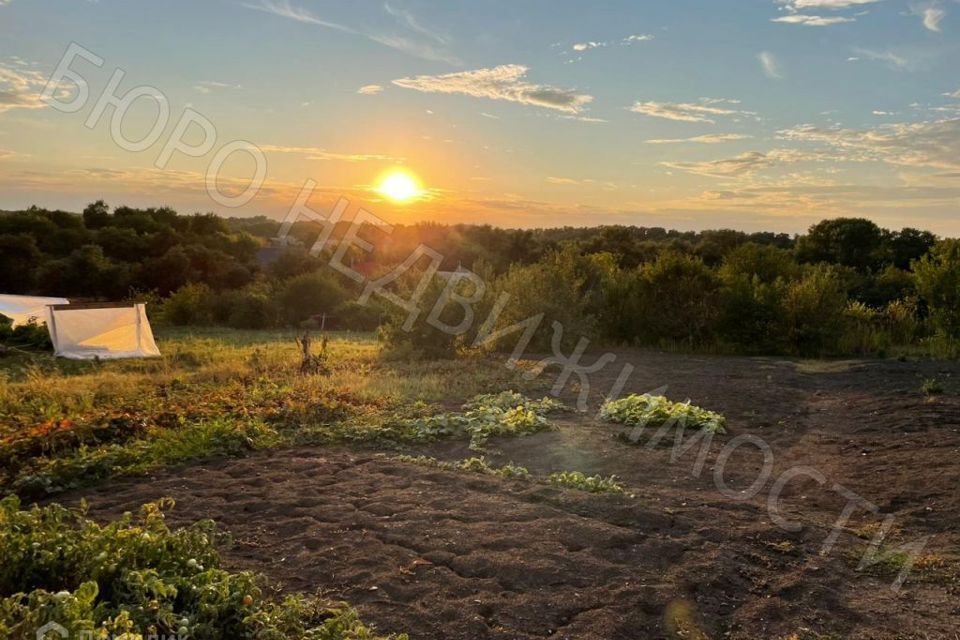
{"points": [[400, 186]]}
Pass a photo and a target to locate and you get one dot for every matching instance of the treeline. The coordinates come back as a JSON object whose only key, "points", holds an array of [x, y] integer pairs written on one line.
{"points": [[845, 287]]}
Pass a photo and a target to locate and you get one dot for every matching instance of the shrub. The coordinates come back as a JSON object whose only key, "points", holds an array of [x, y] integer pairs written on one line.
{"points": [[864, 332], [307, 295], [29, 335], [678, 300], [751, 314], [423, 340], [563, 286], [191, 304], [647, 410], [813, 312]]}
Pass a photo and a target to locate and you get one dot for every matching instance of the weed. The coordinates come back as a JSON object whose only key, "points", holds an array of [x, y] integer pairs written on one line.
{"points": [[932, 387]]}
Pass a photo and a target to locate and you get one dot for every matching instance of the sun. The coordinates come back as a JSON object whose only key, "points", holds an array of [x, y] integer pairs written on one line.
{"points": [[400, 186]]}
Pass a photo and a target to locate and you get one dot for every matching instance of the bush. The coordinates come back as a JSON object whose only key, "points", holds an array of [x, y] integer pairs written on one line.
{"points": [[751, 314], [302, 297], [813, 312], [244, 309], [563, 286], [678, 300], [192, 304], [423, 340], [354, 316], [29, 335]]}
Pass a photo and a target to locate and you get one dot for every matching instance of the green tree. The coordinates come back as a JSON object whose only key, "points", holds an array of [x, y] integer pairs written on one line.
{"points": [[851, 242], [938, 283], [308, 295]]}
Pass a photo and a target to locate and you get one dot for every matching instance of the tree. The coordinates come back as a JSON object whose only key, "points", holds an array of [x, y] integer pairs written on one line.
{"points": [[851, 242], [908, 245], [310, 294], [938, 283], [19, 259], [766, 262], [96, 215]]}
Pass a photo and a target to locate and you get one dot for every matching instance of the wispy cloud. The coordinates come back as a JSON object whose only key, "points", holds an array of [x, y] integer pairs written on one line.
{"points": [[411, 22], [425, 50], [209, 86], [6, 154], [799, 5], [584, 46], [22, 87], [703, 111], [745, 163], [813, 21], [370, 89], [317, 153], [770, 65], [931, 15], [603, 184], [505, 82], [933, 144], [706, 139], [893, 60], [587, 45]]}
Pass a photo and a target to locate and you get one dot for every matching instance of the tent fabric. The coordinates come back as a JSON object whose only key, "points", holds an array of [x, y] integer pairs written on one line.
{"points": [[108, 333], [22, 308]]}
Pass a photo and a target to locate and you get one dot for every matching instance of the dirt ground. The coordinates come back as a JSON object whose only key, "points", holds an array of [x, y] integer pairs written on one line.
{"points": [[450, 556]]}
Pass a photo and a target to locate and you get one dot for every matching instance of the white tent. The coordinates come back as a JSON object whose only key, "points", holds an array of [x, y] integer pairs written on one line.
{"points": [[107, 332], [22, 308]]}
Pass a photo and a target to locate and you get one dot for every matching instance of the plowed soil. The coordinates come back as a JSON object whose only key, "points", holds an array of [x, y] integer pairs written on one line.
{"points": [[444, 555]]}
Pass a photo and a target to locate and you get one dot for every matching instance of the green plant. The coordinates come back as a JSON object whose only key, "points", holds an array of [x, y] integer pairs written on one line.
{"points": [[503, 414], [582, 482], [932, 387], [470, 465], [657, 410], [135, 577]]}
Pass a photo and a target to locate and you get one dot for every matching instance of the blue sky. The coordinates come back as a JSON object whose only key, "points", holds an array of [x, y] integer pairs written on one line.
{"points": [[753, 114]]}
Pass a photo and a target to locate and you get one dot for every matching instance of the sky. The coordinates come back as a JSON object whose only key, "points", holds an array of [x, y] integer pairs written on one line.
{"points": [[688, 114]]}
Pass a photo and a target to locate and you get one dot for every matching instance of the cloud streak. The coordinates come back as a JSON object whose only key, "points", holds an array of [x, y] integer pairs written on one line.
{"points": [[424, 50], [718, 138], [317, 153], [745, 163], [812, 21], [770, 66], [703, 111], [930, 145], [505, 82]]}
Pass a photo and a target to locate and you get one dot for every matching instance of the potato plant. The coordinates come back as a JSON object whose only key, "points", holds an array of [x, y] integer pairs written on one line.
{"points": [[135, 578], [647, 410]]}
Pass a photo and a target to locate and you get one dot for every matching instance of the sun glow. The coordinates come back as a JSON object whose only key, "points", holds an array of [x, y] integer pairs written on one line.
{"points": [[400, 186]]}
